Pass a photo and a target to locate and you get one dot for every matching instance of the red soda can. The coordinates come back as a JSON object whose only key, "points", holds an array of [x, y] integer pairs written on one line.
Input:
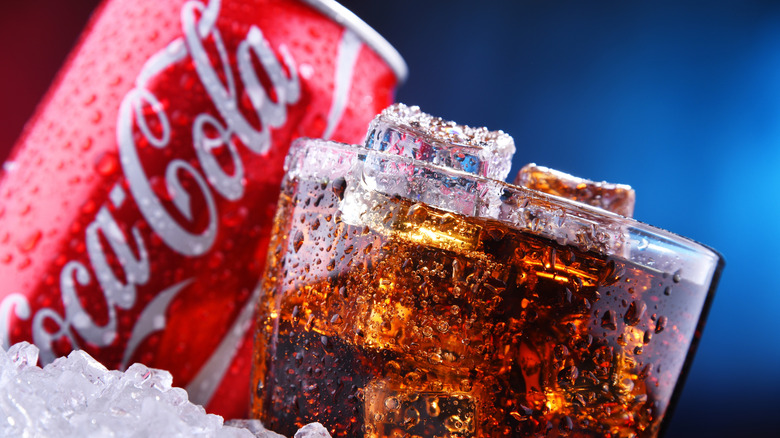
{"points": [[137, 205]]}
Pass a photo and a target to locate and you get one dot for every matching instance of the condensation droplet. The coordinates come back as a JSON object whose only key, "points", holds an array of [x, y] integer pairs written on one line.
{"points": [[298, 241], [31, 242], [108, 164], [338, 186], [660, 325], [635, 313], [454, 423], [608, 320]]}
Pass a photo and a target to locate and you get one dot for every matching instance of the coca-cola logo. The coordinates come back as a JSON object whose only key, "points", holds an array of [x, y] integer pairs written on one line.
{"points": [[199, 24], [143, 118]]}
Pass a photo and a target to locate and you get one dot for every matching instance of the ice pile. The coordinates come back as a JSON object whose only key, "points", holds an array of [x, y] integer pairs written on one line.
{"points": [[77, 396]]}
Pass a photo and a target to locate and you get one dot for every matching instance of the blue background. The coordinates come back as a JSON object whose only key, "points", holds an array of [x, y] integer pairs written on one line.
{"points": [[680, 99]]}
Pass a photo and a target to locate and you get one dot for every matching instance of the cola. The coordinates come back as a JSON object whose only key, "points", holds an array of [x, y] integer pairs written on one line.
{"points": [[137, 205], [404, 298]]}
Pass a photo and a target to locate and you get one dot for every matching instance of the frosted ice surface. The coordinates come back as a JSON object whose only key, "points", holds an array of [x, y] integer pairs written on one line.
{"points": [[76, 396], [254, 426], [319, 159], [617, 198], [313, 430], [407, 131]]}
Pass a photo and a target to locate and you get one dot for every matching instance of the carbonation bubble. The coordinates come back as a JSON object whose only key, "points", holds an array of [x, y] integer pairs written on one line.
{"points": [[412, 379], [392, 367], [626, 385], [392, 403], [411, 417], [432, 406], [454, 424], [108, 164]]}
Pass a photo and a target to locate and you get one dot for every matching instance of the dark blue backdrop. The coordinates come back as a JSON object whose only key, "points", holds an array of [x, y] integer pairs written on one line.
{"points": [[680, 99]]}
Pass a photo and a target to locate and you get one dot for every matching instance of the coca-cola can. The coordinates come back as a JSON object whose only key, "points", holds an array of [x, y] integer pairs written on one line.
{"points": [[137, 205]]}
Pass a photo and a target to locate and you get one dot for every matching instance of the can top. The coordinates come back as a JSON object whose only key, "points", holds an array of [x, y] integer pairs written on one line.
{"points": [[381, 46]]}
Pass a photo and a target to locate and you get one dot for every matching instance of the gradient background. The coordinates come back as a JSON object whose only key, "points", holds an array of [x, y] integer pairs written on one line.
{"points": [[680, 99]]}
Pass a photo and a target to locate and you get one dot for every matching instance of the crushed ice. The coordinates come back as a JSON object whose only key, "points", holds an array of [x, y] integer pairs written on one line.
{"points": [[78, 396]]}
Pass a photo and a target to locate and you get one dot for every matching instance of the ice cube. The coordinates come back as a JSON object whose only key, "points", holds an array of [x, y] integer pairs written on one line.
{"points": [[407, 131], [77, 396], [312, 430], [395, 409], [617, 198], [254, 426], [23, 354]]}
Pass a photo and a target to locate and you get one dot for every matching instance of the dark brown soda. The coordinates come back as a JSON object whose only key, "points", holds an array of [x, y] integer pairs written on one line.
{"points": [[423, 323]]}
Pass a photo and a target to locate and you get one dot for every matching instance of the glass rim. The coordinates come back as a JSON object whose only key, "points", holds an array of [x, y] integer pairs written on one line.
{"points": [[560, 219]]}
